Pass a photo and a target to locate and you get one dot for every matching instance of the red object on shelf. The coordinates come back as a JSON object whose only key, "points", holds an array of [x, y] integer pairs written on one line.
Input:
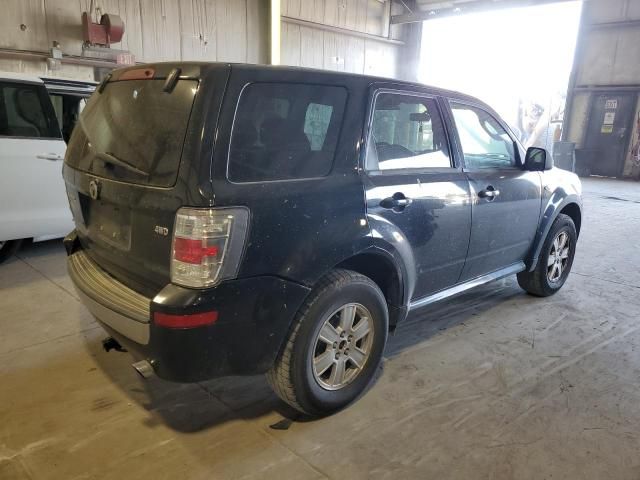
{"points": [[109, 30]]}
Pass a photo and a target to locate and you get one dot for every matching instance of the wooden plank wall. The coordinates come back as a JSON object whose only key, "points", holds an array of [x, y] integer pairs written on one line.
{"points": [[214, 30], [307, 46]]}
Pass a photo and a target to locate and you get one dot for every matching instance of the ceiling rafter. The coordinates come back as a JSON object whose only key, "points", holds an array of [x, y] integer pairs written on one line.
{"points": [[428, 10]]}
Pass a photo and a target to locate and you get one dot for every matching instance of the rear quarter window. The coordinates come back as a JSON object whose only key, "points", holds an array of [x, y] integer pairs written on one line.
{"points": [[285, 131]]}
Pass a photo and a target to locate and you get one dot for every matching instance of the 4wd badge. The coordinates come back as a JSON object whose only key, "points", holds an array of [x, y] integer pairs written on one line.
{"points": [[164, 231]]}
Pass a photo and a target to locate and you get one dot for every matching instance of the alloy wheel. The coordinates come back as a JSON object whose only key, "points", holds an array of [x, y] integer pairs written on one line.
{"points": [[558, 257], [342, 346]]}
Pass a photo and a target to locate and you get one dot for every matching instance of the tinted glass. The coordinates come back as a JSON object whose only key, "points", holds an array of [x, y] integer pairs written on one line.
{"points": [[407, 132], [285, 131], [68, 108], [485, 144], [25, 113], [133, 131]]}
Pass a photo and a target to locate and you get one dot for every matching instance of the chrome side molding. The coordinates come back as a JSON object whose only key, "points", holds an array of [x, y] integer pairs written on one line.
{"points": [[468, 285]]}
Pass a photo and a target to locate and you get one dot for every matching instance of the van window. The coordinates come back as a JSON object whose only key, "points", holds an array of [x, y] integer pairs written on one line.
{"points": [[285, 131], [133, 131], [24, 112], [68, 108]]}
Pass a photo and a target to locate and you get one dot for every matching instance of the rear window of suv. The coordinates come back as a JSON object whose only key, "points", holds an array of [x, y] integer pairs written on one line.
{"points": [[133, 131], [285, 131]]}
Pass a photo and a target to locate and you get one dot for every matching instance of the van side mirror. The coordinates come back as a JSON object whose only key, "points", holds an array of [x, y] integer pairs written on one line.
{"points": [[538, 160]]}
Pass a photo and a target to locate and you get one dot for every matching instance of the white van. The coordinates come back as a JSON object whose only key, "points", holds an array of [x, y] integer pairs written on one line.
{"points": [[36, 119]]}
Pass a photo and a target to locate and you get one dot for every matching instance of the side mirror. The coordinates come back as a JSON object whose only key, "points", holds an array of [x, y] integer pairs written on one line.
{"points": [[538, 160]]}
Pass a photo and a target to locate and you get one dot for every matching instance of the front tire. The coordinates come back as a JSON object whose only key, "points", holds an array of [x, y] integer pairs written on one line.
{"points": [[335, 345], [556, 259]]}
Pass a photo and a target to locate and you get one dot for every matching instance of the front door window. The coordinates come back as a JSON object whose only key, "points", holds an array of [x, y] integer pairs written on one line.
{"points": [[485, 143]]}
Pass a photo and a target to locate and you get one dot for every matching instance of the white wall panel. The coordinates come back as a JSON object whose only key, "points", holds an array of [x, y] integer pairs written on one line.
{"points": [[290, 44], [380, 59], [155, 30], [211, 30], [231, 30], [313, 47], [30, 13]]}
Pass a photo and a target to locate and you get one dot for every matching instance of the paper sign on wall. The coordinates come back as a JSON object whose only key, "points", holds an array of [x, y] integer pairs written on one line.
{"points": [[611, 104], [609, 118], [606, 129]]}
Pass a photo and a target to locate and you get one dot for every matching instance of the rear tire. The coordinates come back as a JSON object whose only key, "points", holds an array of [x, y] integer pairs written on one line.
{"points": [[8, 248], [335, 345], [556, 259]]}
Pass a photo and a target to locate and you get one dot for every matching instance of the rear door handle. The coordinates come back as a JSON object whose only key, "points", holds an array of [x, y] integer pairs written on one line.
{"points": [[49, 156], [397, 202], [490, 193]]}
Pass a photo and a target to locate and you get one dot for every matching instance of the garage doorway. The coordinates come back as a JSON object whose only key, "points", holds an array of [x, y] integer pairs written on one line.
{"points": [[608, 133], [518, 60]]}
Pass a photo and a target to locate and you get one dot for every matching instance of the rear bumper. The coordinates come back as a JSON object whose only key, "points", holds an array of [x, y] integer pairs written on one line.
{"points": [[108, 300], [254, 316]]}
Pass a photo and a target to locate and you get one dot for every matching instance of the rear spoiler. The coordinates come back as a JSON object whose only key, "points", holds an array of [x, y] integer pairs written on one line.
{"points": [[149, 72]]}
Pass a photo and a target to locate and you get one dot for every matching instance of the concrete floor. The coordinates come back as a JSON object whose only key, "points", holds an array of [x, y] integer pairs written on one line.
{"points": [[494, 384]]}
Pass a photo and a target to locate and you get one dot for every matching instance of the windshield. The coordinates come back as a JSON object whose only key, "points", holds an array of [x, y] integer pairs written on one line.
{"points": [[133, 131]]}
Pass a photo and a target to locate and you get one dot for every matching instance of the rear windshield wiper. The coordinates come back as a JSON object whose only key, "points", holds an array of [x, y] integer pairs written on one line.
{"points": [[109, 158]]}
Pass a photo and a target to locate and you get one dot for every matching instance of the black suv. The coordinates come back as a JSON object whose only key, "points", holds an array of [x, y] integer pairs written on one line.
{"points": [[239, 219]]}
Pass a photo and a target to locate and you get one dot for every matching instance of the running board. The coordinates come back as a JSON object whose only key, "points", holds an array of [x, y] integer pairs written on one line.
{"points": [[468, 285]]}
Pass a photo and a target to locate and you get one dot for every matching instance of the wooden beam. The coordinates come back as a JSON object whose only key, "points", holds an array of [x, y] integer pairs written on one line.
{"points": [[619, 24], [71, 59], [343, 31], [275, 33], [464, 8]]}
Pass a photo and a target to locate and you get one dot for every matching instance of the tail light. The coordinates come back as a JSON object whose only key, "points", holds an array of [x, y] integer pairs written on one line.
{"points": [[207, 245]]}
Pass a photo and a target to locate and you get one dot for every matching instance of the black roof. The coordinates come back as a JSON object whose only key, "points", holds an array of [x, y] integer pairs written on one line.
{"points": [[193, 69], [368, 79]]}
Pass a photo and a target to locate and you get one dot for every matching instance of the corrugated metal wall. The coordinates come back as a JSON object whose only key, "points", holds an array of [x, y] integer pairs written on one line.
{"points": [[608, 55]]}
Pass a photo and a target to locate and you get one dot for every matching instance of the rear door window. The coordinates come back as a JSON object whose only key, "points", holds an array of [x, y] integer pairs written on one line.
{"points": [[133, 131], [285, 131], [25, 111], [407, 133]]}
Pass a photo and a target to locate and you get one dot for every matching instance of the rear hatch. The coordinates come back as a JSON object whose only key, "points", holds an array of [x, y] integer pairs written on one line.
{"points": [[136, 155]]}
